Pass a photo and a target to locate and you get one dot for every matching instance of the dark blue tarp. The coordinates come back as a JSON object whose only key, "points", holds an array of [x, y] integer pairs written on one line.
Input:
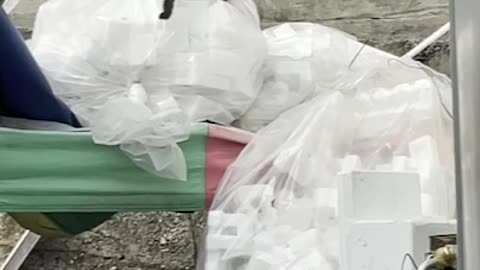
{"points": [[24, 90]]}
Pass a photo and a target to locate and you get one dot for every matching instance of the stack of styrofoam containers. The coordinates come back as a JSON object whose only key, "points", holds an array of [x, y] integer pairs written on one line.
{"points": [[369, 221], [383, 213], [272, 231]]}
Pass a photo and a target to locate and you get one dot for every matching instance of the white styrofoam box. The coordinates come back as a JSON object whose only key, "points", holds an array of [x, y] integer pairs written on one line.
{"points": [[351, 163], [213, 260], [325, 205], [428, 205], [261, 262], [192, 69], [451, 194], [214, 219], [304, 242], [424, 151], [402, 164], [326, 197], [373, 195], [241, 247], [424, 148], [285, 41], [325, 216], [299, 215], [435, 180], [271, 260], [268, 239], [125, 39], [384, 167], [313, 261], [331, 240], [219, 241], [228, 224], [267, 217], [439, 188], [253, 196], [296, 74], [381, 245]]}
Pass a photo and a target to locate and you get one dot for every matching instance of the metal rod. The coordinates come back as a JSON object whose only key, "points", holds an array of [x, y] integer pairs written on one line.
{"points": [[21, 251], [466, 92], [428, 41]]}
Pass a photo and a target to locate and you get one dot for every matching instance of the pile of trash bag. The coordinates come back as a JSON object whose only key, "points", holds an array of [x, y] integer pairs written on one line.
{"points": [[323, 104], [281, 205]]}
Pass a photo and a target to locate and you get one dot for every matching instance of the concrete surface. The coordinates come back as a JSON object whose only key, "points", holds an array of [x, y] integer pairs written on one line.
{"points": [[169, 241]]}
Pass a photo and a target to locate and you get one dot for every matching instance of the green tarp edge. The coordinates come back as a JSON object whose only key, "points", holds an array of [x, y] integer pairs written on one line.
{"points": [[67, 172]]}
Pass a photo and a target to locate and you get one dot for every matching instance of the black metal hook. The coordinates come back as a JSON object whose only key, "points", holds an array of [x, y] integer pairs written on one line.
{"points": [[167, 9]]}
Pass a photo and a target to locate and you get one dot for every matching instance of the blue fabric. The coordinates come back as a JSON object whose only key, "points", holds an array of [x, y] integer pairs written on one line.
{"points": [[24, 90]]}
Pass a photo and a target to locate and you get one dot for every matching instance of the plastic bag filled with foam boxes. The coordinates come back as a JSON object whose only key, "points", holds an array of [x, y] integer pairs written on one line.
{"points": [[276, 208], [283, 203], [304, 59], [139, 80]]}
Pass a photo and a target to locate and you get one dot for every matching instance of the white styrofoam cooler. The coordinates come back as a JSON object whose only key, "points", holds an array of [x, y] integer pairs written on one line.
{"points": [[377, 195], [381, 245]]}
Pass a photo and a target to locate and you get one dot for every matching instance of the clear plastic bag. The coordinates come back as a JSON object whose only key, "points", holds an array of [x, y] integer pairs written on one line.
{"points": [[278, 206], [304, 59], [265, 214], [139, 81]]}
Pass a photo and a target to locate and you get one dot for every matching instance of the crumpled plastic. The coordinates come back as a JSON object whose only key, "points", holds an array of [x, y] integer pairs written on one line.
{"points": [[277, 206], [139, 81], [304, 59]]}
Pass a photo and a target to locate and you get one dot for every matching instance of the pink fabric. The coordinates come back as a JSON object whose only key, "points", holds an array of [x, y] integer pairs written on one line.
{"points": [[224, 144]]}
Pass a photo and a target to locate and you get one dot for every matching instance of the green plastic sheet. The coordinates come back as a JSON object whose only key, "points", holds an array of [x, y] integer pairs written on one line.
{"points": [[42, 171]]}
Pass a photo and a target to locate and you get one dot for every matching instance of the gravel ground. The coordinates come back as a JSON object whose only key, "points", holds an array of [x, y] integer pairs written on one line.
{"points": [[127, 242]]}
